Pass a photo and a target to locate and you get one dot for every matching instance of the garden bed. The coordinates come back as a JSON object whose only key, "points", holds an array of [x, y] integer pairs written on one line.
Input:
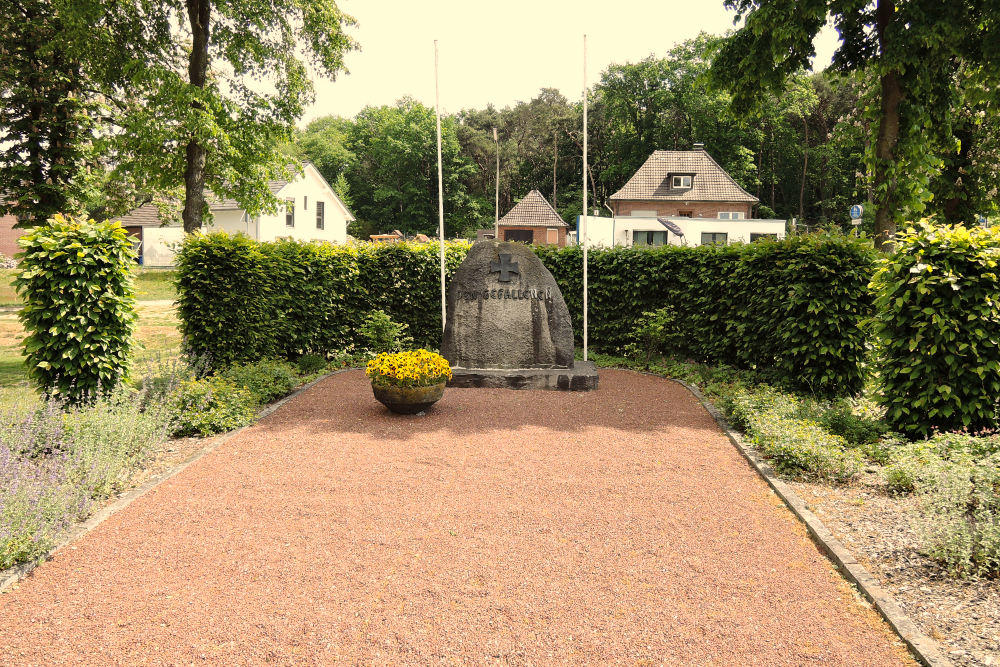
{"points": [[962, 614]]}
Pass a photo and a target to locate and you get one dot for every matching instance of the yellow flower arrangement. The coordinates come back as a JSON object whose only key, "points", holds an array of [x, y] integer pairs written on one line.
{"points": [[416, 368]]}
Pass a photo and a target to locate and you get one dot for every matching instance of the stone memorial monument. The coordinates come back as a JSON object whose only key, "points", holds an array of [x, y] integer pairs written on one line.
{"points": [[508, 326]]}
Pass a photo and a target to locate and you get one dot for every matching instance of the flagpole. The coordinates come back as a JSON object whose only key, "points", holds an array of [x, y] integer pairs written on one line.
{"points": [[437, 114], [583, 226], [496, 215]]}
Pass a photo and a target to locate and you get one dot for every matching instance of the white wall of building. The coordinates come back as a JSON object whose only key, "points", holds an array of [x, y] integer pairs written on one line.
{"points": [[232, 222], [619, 230], [158, 244], [306, 190]]}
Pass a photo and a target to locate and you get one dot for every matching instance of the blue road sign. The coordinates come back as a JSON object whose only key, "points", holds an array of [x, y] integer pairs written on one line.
{"points": [[856, 211]]}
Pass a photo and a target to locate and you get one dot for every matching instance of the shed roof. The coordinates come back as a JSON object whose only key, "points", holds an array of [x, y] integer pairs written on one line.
{"points": [[147, 215], [710, 182], [533, 210]]}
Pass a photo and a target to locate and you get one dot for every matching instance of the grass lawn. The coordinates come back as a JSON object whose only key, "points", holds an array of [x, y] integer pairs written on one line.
{"points": [[150, 285], [157, 334]]}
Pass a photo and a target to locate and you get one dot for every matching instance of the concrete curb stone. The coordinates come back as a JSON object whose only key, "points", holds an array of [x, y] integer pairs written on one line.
{"points": [[16, 573], [927, 651]]}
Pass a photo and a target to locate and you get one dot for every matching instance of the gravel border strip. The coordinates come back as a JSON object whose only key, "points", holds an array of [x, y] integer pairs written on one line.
{"points": [[927, 651], [16, 573]]}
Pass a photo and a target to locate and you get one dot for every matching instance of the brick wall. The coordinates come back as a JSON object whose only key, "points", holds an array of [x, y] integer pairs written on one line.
{"points": [[539, 235], [9, 236], [673, 208]]}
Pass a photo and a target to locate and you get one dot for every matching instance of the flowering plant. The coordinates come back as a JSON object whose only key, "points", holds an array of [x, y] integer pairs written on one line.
{"points": [[416, 368]]}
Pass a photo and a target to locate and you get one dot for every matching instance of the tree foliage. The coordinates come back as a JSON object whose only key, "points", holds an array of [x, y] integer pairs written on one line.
{"points": [[914, 49], [164, 95]]}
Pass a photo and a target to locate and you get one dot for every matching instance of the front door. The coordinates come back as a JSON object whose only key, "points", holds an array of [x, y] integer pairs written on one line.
{"points": [[135, 233]]}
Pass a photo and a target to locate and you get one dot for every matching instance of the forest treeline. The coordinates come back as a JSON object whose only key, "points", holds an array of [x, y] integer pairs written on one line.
{"points": [[800, 153]]}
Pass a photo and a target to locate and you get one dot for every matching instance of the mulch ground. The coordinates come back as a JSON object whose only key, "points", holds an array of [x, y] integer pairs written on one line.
{"points": [[504, 527]]}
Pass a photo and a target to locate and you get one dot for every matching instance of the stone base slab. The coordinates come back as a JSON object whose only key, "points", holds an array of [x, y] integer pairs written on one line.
{"points": [[582, 377]]}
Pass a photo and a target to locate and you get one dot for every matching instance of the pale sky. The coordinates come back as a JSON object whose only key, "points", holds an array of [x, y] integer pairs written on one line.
{"points": [[505, 52]]}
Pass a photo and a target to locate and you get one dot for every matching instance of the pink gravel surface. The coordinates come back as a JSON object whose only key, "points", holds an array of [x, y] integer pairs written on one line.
{"points": [[504, 527]]}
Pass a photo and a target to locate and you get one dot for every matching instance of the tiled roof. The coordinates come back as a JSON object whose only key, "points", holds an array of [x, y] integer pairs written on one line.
{"points": [[232, 205], [533, 211], [710, 182]]}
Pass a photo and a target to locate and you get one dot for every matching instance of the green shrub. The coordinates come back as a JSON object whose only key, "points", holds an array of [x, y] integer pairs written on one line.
{"points": [[959, 520], [913, 465], [883, 450], [795, 446], [268, 380], [211, 405], [310, 363], [79, 312], [839, 418], [379, 333], [800, 448], [657, 333], [936, 326]]}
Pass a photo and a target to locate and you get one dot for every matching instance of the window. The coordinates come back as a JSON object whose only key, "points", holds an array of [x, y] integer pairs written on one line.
{"points": [[685, 214], [320, 212], [289, 213], [730, 215], [758, 237], [552, 235], [682, 181], [305, 203], [649, 238], [709, 238], [522, 235]]}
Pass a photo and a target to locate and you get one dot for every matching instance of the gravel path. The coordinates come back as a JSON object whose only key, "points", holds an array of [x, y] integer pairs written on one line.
{"points": [[503, 528]]}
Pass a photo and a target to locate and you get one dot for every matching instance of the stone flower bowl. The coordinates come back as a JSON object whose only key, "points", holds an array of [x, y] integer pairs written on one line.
{"points": [[408, 400]]}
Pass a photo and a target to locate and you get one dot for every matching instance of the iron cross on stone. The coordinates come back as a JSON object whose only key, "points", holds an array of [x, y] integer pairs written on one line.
{"points": [[505, 268]]}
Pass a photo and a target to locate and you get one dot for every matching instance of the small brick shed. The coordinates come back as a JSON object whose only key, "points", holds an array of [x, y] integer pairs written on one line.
{"points": [[533, 220]]}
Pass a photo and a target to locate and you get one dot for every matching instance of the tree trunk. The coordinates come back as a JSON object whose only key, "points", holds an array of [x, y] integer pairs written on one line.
{"points": [[199, 13], [805, 168], [888, 137]]}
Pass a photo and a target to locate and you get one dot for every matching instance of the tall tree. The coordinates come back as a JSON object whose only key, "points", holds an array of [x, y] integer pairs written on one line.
{"points": [[60, 62], [219, 125], [394, 181], [913, 46]]}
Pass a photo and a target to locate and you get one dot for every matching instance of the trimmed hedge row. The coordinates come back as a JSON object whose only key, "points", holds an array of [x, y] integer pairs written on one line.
{"points": [[792, 306], [241, 301]]}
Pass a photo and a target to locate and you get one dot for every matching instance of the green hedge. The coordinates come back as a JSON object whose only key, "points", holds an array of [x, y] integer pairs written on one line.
{"points": [[792, 307], [76, 282], [240, 300], [937, 328]]}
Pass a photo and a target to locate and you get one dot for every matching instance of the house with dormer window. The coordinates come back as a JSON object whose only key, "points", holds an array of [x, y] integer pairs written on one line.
{"points": [[681, 198], [685, 184]]}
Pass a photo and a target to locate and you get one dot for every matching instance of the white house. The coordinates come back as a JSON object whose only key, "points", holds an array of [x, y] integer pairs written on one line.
{"points": [[644, 230], [313, 212]]}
